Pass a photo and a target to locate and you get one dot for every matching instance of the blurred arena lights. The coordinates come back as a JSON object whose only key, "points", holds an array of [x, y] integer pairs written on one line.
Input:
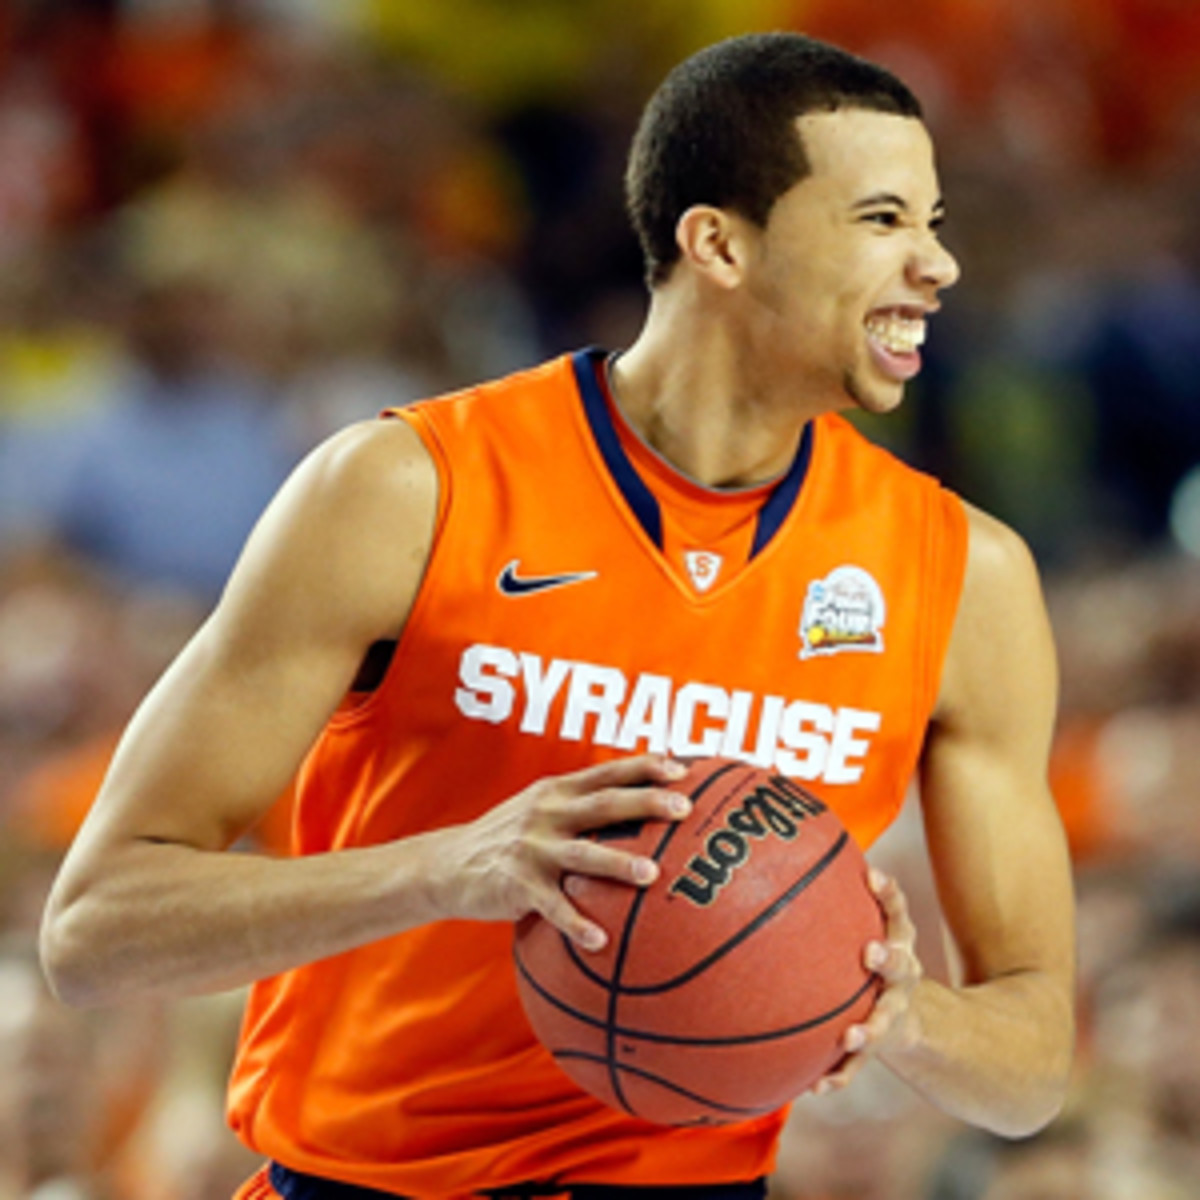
{"points": [[1185, 513]]}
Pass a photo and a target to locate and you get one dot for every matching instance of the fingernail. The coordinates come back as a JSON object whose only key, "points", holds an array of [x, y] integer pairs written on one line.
{"points": [[593, 938], [877, 879], [876, 956], [674, 769], [856, 1038], [645, 870], [680, 806]]}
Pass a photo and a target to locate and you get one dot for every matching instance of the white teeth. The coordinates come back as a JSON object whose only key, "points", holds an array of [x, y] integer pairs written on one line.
{"points": [[900, 335]]}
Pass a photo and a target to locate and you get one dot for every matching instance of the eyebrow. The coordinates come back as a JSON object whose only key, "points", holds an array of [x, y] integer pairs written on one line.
{"points": [[879, 198]]}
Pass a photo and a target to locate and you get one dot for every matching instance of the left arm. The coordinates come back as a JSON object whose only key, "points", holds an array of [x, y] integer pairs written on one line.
{"points": [[995, 1049]]}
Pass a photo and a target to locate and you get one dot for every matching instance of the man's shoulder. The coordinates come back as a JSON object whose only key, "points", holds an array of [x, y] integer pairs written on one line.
{"points": [[554, 376], [841, 437], [998, 553], [373, 463]]}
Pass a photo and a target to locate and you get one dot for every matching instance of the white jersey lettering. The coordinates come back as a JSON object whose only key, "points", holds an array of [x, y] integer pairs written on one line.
{"points": [[737, 722], [578, 701], [647, 715], [594, 691], [846, 751], [805, 731], [685, 740], [541, 686], [484, 696], [768, 732]]}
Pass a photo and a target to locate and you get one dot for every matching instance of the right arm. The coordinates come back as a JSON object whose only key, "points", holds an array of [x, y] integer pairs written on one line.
{"points": [[147, 903]]}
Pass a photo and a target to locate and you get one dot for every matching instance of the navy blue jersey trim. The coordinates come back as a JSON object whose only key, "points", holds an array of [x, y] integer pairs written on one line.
{"points": [[779, 503], [295, 1185], [639, 497]]}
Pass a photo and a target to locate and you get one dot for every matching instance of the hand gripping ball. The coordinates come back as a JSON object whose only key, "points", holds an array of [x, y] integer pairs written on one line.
{"points": [[726, 985]]}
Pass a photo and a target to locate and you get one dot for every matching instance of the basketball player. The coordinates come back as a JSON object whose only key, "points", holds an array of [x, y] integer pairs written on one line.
{"points": [[493, 621]]}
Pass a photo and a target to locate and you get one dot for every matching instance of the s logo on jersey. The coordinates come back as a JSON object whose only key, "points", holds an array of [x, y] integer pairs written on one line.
{"points": [[703, 567], [843, 611]]}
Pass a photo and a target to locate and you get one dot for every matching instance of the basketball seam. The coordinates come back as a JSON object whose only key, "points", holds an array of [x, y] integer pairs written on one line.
{"points": [[663, 1082], [614, 985], [616, 1036], [772, 910], [647, 1035], [572, 950]]}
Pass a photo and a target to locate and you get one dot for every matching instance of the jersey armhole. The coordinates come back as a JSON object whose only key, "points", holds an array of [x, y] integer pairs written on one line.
{"points": [[364, 694], [945, 569], [427, 432]]}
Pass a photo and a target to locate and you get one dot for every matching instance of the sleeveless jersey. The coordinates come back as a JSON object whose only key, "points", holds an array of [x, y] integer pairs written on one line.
{"points": [[550, 632]]}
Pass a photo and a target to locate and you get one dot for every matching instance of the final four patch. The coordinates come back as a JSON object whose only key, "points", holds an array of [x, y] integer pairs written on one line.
{"points": [[843, 611]]}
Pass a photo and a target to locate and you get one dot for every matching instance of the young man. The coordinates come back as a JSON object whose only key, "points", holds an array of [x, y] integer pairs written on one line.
{"points": [[489, 623]]}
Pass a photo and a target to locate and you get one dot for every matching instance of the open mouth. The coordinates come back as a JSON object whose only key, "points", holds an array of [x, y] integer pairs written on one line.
{"points": [[896, 330]]}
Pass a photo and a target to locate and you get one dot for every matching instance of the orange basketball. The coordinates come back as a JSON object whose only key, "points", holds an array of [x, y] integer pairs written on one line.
{"points": [[726, 985]]}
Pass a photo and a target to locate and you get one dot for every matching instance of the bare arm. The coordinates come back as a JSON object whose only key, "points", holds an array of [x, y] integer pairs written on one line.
{"points": [[996, 1049], [148, 903]]}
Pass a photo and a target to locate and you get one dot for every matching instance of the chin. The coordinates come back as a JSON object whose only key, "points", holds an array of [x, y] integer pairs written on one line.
{"points": [[877, 399]]}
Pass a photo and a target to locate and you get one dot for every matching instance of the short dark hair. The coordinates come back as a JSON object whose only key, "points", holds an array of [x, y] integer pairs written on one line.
{"points": [[720, 130]]}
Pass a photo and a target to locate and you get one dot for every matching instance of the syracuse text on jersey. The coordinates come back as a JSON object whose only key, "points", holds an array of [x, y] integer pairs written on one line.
{"points": [[602, 705]]}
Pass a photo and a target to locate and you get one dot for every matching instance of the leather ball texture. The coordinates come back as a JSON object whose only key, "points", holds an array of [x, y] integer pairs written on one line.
{"points": [[727, 985]]}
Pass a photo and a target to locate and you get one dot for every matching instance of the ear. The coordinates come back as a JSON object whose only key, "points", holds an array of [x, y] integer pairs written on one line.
{"points": [[712, 241]]}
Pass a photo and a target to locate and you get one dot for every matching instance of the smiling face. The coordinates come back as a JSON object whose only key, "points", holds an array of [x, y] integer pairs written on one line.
{"points": [[838, 285]]}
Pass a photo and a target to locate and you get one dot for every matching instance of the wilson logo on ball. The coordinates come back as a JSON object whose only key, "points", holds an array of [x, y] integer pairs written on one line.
{"points": [[777, 808], [700, 1013]]}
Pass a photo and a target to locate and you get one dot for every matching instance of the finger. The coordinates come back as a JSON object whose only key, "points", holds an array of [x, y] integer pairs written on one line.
{"points": [[893, 962], [855, 1039], [554, 906], [861, 1037], [892, 900], [581, 856], [614, 805], [884, 886], [840, 1076], [891, 897], [865, 1036], [625, 772]]}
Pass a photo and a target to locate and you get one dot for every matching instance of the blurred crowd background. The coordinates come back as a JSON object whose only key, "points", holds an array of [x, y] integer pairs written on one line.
{"points": [[228, 227]]}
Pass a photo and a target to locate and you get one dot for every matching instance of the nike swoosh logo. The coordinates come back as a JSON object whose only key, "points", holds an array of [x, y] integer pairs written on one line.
{"points": [[512, 584]]}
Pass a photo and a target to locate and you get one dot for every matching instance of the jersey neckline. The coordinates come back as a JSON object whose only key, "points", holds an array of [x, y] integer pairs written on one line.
{"points": [[642, 502]]}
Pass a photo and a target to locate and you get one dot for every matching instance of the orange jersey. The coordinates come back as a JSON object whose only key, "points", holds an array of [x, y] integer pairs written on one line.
{"points": [[551, 632]]}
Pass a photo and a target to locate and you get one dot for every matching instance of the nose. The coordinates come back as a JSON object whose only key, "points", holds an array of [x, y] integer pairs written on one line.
{"points": [[933, 265]]}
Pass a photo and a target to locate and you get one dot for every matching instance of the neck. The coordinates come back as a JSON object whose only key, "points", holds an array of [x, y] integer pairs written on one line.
{"points": [[699, 400]]}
